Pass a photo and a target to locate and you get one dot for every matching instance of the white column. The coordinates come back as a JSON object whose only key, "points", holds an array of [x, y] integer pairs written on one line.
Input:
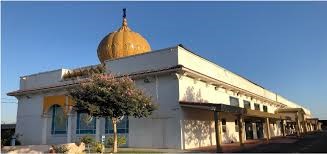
{"points": [[44, 129], [69, 128], [254, 128], [240, 131], [217, 131], [97, 129], [267, 129]]}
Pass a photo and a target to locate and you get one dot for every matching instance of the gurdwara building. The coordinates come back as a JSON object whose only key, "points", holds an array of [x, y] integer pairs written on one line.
{"points": [[200, 103]]}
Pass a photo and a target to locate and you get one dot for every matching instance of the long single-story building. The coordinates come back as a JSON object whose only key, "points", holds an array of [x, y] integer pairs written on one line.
{"points": [[200, 103]]}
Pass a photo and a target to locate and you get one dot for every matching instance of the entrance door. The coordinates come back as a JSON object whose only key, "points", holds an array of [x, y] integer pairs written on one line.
{"points": [[259, 130], [248, 130]]}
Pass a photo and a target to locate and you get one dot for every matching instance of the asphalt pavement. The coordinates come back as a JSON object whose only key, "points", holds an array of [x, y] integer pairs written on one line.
{"points": [[310, 143]]}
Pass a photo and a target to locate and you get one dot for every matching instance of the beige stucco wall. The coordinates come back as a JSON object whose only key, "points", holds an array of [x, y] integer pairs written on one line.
{"points": [[198, 129]]}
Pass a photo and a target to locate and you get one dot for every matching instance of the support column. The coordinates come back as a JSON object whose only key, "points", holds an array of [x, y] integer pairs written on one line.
{"points": [[309, 127], [298, 127], [267, 129], [283, 127], [44, 128], [217, 131], [316, 126], [69, 128], [305, 127], [97, 129], [240, 130]]}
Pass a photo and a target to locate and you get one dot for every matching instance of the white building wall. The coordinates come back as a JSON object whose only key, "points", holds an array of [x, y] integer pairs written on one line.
{"points": [[162, 129], [29, 121], [198, 128]]}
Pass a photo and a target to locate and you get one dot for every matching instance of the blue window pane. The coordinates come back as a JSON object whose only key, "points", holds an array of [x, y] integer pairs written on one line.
{"points": [[85, 124], [59, 120], [122, 126], [120, 130]]}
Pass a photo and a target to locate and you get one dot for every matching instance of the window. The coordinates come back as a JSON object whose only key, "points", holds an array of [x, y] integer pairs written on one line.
{"points": [[265, 108], [59, 120], [247, 104], [234, 101], [236, 126], [256, 106], [223, 121], [85, 124], [122, 126]]}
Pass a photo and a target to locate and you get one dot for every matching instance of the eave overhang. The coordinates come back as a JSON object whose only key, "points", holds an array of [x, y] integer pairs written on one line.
{"points": [[67, 84]]}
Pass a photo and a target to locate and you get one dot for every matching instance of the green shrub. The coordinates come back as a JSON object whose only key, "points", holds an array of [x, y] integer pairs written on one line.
{"points": [[120, 141], [87, 139], [60, 148], [98, 147], [6, 136]]}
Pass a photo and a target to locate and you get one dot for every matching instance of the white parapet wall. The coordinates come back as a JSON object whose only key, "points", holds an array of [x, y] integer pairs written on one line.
{"points": [[41, 79]]}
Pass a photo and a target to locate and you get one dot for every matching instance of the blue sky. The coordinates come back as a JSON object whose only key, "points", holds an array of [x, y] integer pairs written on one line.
{"points": [[279, 45]]}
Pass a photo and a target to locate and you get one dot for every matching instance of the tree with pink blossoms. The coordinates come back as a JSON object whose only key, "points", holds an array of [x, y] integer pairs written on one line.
{"points": [[107, 96]]}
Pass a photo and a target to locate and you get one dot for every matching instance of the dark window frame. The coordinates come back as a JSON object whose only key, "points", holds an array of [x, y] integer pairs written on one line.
{"points": [[265, 108], [247, 102], [233, 100], [255, 106]]}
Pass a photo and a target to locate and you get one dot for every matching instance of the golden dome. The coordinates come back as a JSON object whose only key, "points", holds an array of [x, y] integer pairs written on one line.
{"points": [[122, 43]]}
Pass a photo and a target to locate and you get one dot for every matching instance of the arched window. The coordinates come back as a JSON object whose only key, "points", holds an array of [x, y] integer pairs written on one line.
{"points": [[59, 120], [122, 126], [86, 124]]}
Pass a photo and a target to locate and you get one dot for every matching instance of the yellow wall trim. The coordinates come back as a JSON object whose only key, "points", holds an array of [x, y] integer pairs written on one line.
{"points": [[49, 101]]}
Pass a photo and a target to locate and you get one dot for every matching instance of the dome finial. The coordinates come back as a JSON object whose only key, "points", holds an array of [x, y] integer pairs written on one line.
{"points": [[124, 12], [124, 26]]}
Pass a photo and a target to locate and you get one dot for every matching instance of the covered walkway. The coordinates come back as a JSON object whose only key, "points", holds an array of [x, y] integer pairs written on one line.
{"points": [[248, 144], [254, 127]]}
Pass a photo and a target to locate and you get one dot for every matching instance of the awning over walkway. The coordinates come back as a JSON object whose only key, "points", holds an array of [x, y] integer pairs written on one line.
{"points": [[312, 120], [290, 110], [260, 114], [213, 107], [231, 109]]}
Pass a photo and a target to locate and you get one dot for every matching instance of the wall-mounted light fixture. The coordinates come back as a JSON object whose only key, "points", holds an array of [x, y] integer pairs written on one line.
{"points": [[146, 80]]}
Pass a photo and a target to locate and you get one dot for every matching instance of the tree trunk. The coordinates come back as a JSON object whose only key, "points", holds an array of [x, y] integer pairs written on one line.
{"points": [[114, 124]]}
